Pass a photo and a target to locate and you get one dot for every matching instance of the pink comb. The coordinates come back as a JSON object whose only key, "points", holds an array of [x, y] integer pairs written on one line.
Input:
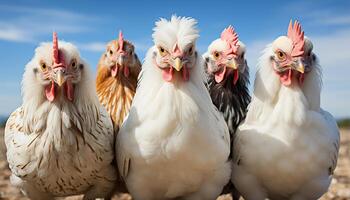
{"points": [[296, 34], [120, 41], [58, 59], [231, 37]]}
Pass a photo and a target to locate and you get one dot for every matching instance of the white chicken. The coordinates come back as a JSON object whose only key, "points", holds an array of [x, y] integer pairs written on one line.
{"points": [[60, 142], [174, 143], [287, 147]]}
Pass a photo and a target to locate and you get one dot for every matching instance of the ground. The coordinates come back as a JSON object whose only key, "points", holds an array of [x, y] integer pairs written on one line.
{"points": [[339, 190]]}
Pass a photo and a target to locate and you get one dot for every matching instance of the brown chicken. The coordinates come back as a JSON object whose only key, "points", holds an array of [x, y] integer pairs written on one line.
{"points": [[116, 80]]}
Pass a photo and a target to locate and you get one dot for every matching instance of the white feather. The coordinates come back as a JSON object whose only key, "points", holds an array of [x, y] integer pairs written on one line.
{"points": [[60, 148], [288, 146], [174, 142]]}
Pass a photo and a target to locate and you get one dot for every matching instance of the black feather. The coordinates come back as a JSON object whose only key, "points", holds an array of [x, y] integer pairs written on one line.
{"points": [[231, 100]]}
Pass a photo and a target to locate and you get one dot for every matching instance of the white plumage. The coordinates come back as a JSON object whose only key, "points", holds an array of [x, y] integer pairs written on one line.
{"points": [[287, 147], [174, 143], [60, 142]]}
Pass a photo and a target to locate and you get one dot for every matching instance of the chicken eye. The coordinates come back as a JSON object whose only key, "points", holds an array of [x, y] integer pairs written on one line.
{"points": [[242, 56], [162, 51], [74, 64], [43, 66], [281, 55], [313, 57], [190, 50], [216, 55]]}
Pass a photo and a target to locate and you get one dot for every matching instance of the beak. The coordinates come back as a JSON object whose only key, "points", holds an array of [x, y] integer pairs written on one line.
{"points": [[121, 60], [178, 64], [60, 79], [232, 64], [300, 66]]}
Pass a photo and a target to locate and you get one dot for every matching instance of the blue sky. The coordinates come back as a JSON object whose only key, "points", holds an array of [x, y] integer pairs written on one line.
{"points": [[91, 24]]}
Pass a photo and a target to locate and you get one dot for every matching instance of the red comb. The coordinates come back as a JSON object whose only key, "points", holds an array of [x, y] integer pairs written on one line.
{"points": [[120, 41], [55, 48], [231, 37], [296, 34], [58, 59]]}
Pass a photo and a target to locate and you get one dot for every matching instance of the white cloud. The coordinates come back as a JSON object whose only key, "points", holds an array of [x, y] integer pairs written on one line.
{"points": [[13, 34], [333, 49], [254, 50], [11, 102], [336, 102], [328, 17], [48, 12], [337, 20], [142, 46], [30, 23], [317, 15], [93, 46], [10, 96]]}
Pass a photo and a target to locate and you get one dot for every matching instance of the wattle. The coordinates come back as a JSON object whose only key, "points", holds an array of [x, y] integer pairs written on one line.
{"points": [[168, 74], [286, 77], [220, 75], [50, 91], [185, 74], [114, 71], [126, 71], [69, 90], [235, 76]]}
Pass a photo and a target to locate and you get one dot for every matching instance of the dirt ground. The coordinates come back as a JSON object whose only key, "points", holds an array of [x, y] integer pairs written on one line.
{"points": [[339, 190]]}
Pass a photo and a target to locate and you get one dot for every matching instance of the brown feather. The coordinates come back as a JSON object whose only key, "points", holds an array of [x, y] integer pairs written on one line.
{"points": [[116, 93]]}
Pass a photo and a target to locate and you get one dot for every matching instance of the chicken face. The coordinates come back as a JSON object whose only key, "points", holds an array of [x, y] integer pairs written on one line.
{"points": [[226, 56], [175, 58], [292, 55], [174, 50], [58, 72], [120, 56]]}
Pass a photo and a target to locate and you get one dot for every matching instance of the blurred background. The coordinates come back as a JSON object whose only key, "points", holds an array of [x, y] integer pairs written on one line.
{"points": [[91, 24]]}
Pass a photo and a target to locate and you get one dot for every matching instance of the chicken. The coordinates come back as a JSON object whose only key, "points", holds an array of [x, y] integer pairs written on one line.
{"points": [[228, 79], [116, 80], [287, 147], [174, 143], [60, 142]]}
